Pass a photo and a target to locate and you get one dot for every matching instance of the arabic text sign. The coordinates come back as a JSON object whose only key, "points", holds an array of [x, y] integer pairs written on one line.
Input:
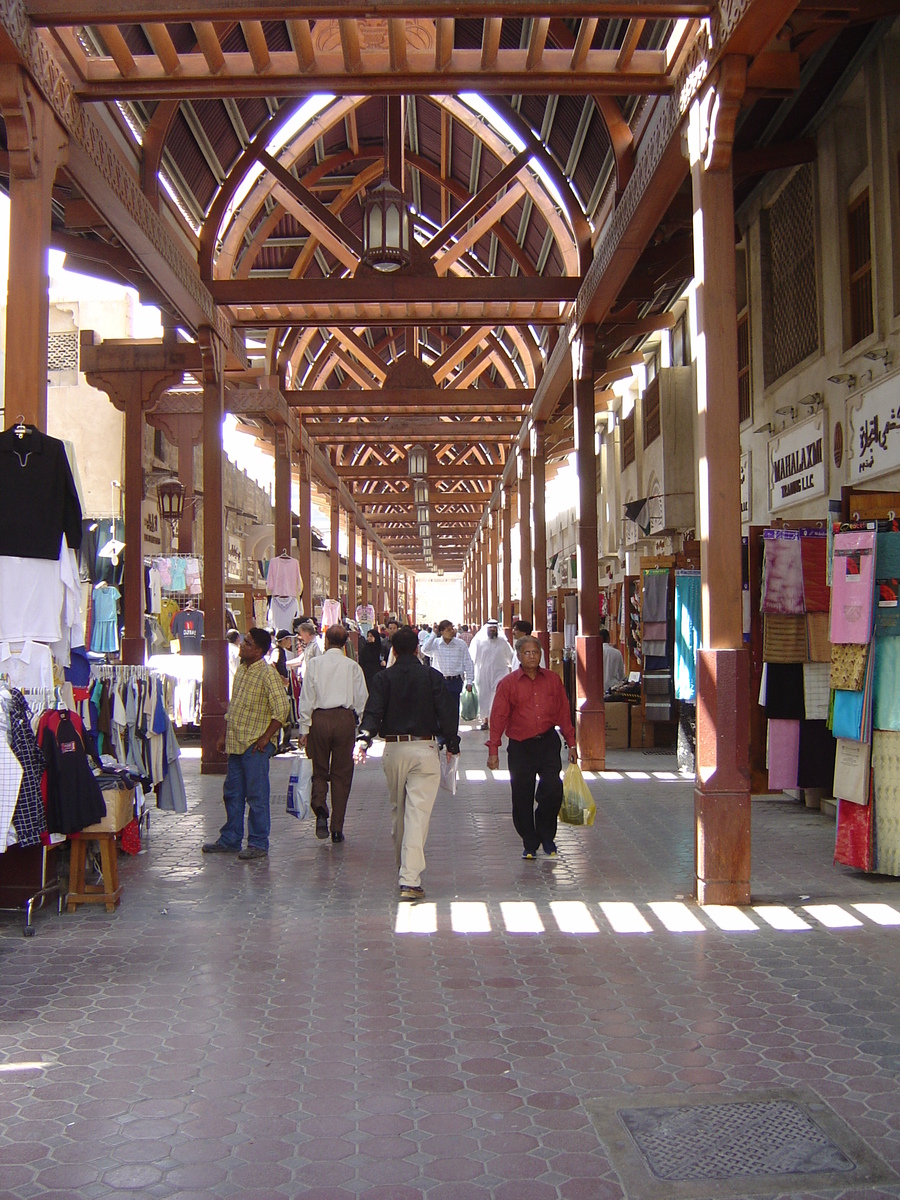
{"points": [[875, 431], [797, 464]]}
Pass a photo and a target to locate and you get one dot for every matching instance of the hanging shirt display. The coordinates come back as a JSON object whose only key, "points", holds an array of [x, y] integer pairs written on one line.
{"points": [[283, 610], [26, 664], [38, 499], [105, 626], [187, 626], [283, 576]]}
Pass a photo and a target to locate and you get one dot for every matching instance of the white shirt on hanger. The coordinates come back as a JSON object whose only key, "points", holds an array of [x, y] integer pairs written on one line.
{"points": [[27, 664]]}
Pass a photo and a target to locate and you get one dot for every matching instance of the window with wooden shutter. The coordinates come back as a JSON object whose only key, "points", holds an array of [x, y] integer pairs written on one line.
{"points": [[790, 290], [859, 248], [743, 332], [628, 451], [650, 414]]}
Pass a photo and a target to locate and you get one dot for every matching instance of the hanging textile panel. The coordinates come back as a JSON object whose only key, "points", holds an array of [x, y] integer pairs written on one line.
{"points": [[654, 608], [816, 690], [784, 639], [853, 586], [853, 838], [851, 771], [688, 631], [848, 666], [782, 583], [886, 714], [818, 637], [814, 555], [815, 764], [784, 691], [886, 794], [784, 754]]}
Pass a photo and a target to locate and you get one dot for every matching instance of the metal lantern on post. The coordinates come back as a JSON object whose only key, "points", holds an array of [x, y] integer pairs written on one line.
{"points": [[420, 491], [386, 228], [170, 501]]}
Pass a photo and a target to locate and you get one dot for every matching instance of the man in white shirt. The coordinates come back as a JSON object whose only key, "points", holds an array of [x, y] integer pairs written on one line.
{"points": [[308, 648], [450, 655], [613, 663], [332, 700]]}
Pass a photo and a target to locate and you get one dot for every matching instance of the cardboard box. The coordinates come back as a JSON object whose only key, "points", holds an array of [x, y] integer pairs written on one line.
{"points": [[617, 725], [636, 738], [119, 811]]}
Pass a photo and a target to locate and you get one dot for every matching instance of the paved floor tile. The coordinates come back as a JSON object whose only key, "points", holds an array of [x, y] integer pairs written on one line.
{"points": [[285, 1027]]}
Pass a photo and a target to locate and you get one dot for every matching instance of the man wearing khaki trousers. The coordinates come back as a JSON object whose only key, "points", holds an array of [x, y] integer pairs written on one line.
{"points": [[410, 708]]}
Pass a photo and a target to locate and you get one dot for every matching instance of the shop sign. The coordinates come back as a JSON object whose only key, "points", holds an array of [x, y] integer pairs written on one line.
{"points": [[746, 490], [875, 432], [235, 557], [797, 464], [151, 527]]}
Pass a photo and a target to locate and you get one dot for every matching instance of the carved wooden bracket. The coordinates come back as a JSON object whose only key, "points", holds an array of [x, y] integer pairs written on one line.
{"points": [[36, 142], [710, 135]]}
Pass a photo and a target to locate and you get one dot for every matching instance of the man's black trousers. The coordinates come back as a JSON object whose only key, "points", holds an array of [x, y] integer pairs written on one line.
{"points": [[536, 758]]}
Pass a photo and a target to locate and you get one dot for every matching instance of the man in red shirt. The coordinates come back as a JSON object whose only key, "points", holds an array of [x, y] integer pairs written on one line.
{"points": [[528, 706]]}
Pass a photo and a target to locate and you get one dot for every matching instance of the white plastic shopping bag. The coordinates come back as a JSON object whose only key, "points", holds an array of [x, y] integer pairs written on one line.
{"points": [[449, 771], [299, 790]]}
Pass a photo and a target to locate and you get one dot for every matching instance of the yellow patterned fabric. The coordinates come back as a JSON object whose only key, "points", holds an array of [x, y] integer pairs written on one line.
{"points": [[784, 638], [848, 667], [818, 637], [886, 771]]}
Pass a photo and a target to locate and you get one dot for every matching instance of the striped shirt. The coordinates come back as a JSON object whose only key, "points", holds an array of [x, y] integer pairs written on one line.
{"points": [[257, 698], [450, 658]]}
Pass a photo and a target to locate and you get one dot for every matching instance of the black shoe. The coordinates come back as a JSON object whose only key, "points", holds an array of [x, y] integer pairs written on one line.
{"points": [[321, 826], [253, 852], [336, 836], [549, 849], [529, 855], [218, 848]]}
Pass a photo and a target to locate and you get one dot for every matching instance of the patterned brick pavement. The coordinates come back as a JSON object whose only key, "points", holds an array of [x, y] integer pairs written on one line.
{"points": [[282, 1027]]}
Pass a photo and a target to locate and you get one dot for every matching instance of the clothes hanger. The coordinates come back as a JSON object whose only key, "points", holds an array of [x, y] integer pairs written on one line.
{"points": [[20, 428], [284, 554]]}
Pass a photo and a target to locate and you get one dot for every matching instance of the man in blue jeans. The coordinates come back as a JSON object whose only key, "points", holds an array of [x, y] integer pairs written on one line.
{"points": [[259, 708]]}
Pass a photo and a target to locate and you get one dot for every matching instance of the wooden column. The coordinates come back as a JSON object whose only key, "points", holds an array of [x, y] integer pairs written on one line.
{"points": [[215, 648], [132, 393], [412, 604], [334, 583], [365, 568], [722, 793], [494, 592], [526, 598], [190, 431], [304, 543], [485, 539], [478, 566], [591, 721], [507, 619], [283, 539], [37, 146], [378, 583], [352, 599], [539, 534]]}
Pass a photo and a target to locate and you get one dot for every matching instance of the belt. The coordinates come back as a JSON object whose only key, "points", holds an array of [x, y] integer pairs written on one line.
{"points": [[451, 677], [408, 737]]}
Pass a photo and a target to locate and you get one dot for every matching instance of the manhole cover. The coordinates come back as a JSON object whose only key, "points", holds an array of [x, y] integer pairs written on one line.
{"points": [[724, 1140], [731, 1146]]}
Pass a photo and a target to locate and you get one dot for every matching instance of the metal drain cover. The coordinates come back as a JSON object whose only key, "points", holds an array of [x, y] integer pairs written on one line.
{"points": [[730, 1145], [723, 1140]]}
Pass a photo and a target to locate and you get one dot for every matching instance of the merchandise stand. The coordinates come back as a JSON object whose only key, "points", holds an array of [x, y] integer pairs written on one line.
{"points": [[28, 876]]}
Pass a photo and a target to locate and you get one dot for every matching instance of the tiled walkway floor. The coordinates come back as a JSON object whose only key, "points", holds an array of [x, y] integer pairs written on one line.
{"points": [[274, 1028]]}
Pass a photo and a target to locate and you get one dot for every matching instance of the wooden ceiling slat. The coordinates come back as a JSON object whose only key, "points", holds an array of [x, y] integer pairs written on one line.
{"points": [[350, 50], [443, 44], [583, 42], [479, 228], [630, 43], [118, 49], [97, 12], [536, 42], [301, 40], [210, 47], [397, 44], [257, 45], [163, 47], [490, 42]]}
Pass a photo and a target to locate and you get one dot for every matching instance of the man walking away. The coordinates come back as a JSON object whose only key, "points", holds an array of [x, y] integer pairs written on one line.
{"points": [[410, 708], [450, 655], [333, 694], [493, 657], [529, 705], [259, 708]]}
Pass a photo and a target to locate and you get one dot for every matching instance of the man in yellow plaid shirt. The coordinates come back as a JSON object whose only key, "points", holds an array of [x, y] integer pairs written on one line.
{"points": [[259, 708]]}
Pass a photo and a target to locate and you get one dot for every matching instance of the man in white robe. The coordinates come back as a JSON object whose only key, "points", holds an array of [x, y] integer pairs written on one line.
{"points": [[493, 657]]}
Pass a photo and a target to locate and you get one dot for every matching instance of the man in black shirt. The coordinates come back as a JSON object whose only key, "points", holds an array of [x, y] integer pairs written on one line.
{"points": [[410, 708]]}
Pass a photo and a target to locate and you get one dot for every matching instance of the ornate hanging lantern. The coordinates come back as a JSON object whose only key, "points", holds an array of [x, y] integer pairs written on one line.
{"points": [[386, 228], [418, 462], [170, 500]]}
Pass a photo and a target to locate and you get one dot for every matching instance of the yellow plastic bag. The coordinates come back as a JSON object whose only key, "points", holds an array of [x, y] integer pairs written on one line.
{"points": [[578, 807]]}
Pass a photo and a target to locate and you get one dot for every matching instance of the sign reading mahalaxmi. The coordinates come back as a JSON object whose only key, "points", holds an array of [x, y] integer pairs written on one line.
{"points": [[797, 466]]}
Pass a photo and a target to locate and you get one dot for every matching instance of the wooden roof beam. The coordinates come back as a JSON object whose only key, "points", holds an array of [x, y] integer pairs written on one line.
{"points": [[118, 49], [301, 39], [257, 46], [163, 47], [397, 430], [210, 47], [389, 287], [96, 12], [630, 43]]}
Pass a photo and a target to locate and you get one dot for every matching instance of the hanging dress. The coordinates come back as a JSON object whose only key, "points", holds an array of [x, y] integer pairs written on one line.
{"points": [[105, 629]]}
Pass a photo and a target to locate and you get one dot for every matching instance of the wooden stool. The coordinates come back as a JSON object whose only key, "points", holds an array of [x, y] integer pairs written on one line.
{"points": [[91, 893]]}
